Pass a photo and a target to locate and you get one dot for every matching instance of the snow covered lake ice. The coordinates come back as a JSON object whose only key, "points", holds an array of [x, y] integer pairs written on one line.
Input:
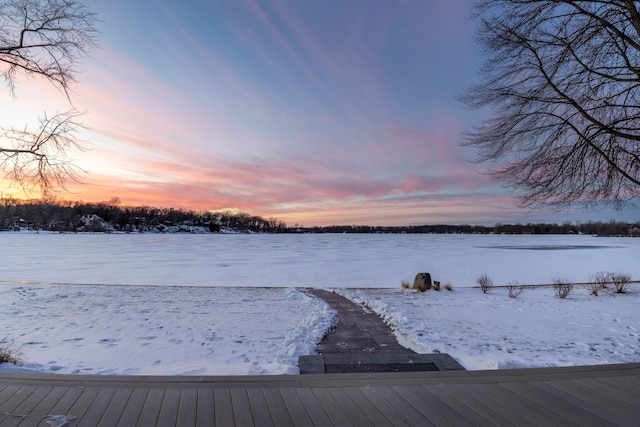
{"points": [[308, 260], [225, 304]]}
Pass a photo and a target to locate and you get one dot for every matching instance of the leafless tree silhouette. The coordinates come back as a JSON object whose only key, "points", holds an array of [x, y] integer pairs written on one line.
{"points": [[43, 38], [561, 84], [40, 159]]}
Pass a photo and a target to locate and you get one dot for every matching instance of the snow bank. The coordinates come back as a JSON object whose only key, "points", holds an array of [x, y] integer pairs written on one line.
{"points": [[493, 331]]}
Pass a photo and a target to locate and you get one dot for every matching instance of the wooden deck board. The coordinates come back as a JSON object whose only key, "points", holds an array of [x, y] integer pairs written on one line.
{"points": [[296, 408], [169, 410], [8, 393], [44, 407], [424, 400], [116, 407], [242, 414], [223, 407], [313, 406], [27, 406], [585, 396], [474, 409], [412, 414], [612, 388], [151, 407], [370, 409], [82, 403], [67, 401], [259, 407], [97, 408], [15, 400], [504, 403], [205, 407], [355, 414], [598, 415], [565, 415], [631, 384], [187, 407], [609, 407], [133, 408], [277, 407], [384, 405], [331, 407]]}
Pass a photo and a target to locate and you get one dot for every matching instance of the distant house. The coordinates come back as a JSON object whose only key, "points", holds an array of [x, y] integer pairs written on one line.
{"points": [[94, 223]]}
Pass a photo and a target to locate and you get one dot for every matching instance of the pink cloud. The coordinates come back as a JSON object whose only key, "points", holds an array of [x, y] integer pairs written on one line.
{"points": [[333, 151], [467, 208]]}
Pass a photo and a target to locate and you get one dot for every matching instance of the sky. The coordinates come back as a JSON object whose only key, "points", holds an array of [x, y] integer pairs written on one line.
{"points": [[313, 112]]}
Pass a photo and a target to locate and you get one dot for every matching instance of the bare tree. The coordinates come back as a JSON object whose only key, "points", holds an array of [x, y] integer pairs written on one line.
{"points": [[562, 85], [40, 159], [43, 38]]}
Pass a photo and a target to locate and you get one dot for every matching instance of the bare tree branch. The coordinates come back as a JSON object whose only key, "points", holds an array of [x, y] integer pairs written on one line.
{"points": [[562, 85], [44, 38], [39, 159]]}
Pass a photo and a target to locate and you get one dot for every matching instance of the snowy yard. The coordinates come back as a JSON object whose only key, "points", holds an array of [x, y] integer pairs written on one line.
{"points": [[161, 330], [234, 331], [493, 331]]}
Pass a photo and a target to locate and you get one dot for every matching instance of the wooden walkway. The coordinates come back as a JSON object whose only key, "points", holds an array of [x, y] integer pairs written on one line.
{"points": [[605, 395], [358, 330], [362, 342]]}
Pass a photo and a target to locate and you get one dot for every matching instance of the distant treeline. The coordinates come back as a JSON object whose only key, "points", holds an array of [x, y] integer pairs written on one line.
{"points": [[610, 228], [65, 216], [73, 216]]}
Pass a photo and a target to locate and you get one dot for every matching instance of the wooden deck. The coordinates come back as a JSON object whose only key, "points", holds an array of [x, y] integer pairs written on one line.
{"points": [[585, 396]]}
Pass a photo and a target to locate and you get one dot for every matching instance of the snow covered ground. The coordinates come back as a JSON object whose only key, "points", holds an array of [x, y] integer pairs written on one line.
{"points": [[134, 330], [205, 304], [493, 331]]}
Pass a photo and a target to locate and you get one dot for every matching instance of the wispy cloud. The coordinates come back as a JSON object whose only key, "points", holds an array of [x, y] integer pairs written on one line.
{"points": [[315, 112]]}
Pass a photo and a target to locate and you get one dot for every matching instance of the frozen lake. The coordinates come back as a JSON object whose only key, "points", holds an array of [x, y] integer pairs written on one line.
{"points": [[308, 260]]}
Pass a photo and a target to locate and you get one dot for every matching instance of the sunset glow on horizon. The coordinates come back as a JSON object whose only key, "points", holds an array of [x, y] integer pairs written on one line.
{"points": [[315, 112]]}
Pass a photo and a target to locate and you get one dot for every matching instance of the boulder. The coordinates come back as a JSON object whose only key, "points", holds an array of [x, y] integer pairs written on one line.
{"points": [[422, 282]]}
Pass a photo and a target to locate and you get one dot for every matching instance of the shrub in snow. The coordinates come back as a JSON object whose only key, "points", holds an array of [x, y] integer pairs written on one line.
{"points": [[514, 289], [594, 288], [9, 353], [620, 281], [485, 283], [599, 282], [448, 286], [562, 287], [405, 284], [601, 279]]}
